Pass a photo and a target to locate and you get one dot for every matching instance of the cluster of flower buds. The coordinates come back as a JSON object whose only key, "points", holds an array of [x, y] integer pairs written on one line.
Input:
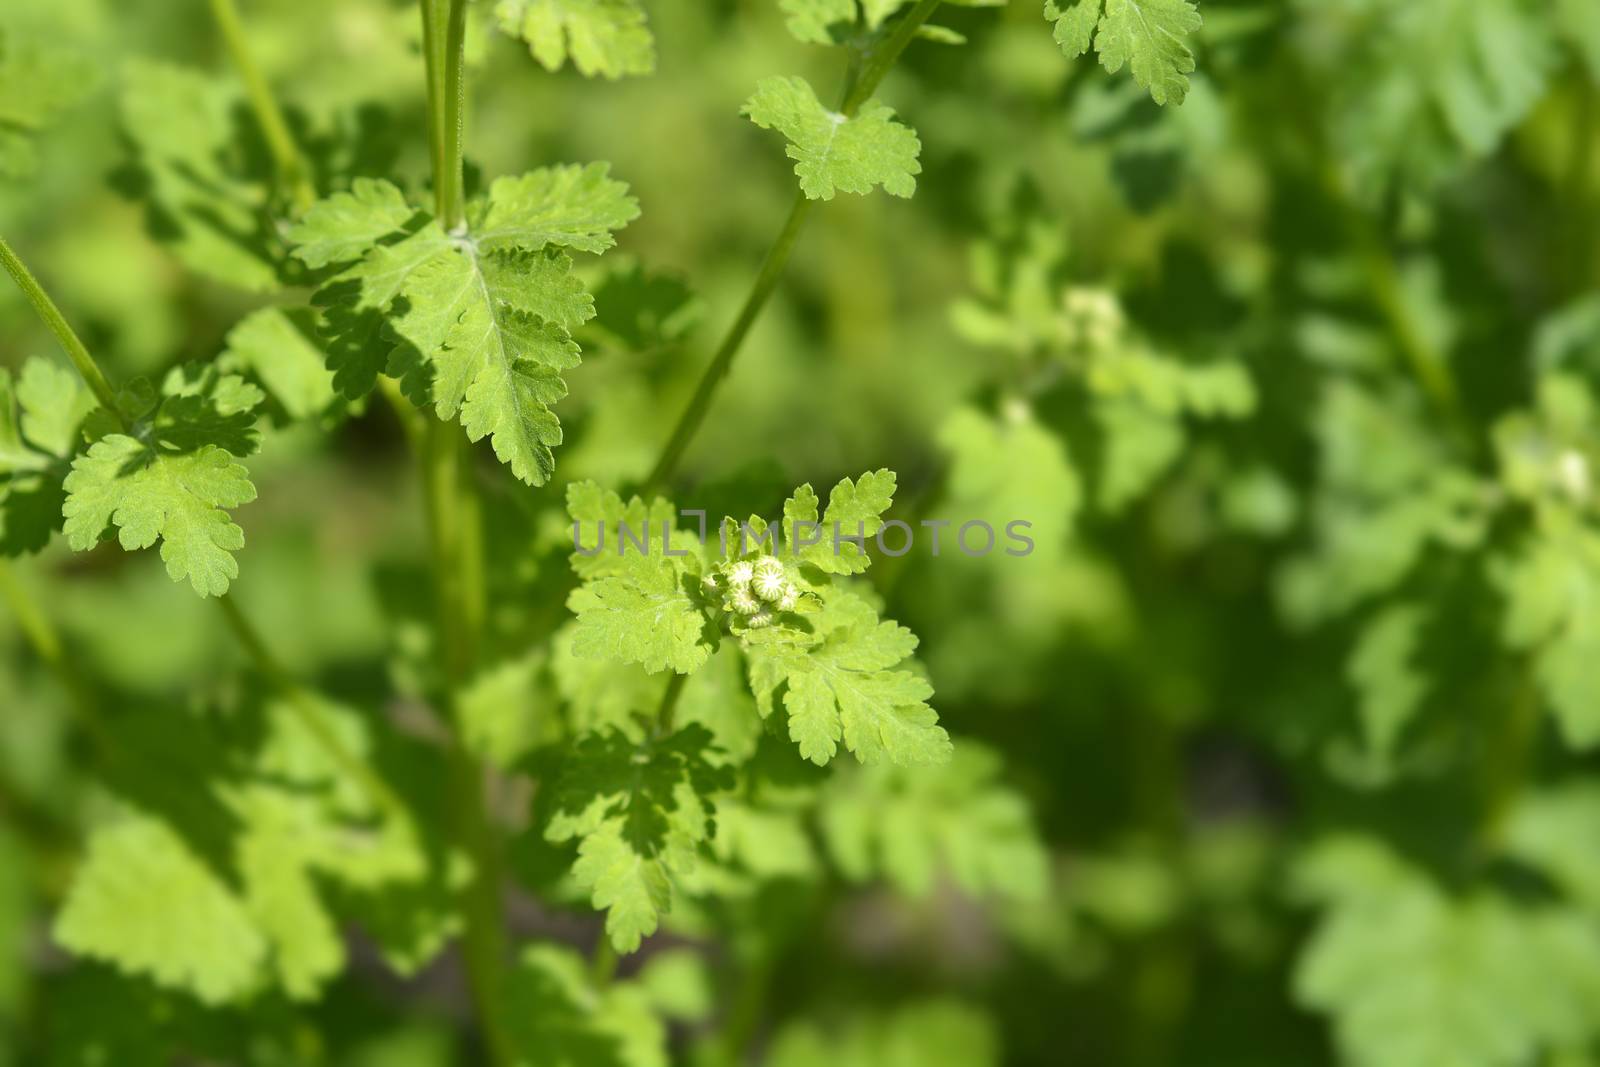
{"points": [[754, 590], [1092, 318]]}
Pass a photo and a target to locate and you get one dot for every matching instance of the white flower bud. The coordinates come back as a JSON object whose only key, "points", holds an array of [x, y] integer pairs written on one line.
{"points": [[769, 578], [740, 600], [759, 620], [740, 573], [789, 598]]}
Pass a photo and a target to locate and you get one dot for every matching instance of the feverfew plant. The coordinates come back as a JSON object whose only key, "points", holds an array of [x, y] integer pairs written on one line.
{"points": [[607, 533]]}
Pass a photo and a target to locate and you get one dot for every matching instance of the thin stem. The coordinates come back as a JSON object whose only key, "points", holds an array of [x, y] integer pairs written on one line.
{"points": [[450, 527], [861, 83], [700, 403], [47, 645], [667, 712], [603, 967], [882, 59], [310, 710], [455, 541], [293, 175], [1511, 758], [35, 627], [444, 27], [87, 368]]}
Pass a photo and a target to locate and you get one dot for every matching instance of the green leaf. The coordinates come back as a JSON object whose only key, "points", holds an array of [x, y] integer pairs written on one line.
{"points": [[276, 348], [1383, 670], [145, 904], [1553, 831], [911, 825], [38, 82], [831, 21], [200, 198], [635, 607], [560, 1019], [1009, 468], [639, 811], [1552, 590], [809, 20], [838, 683], [646, 612], [934, 1033], [855, 513], [605, 37], [1420, 91], [1149, 36], [340, 228], [483, 319], [1411, 975], [834, 152], [224, 895], [41, 421], [172, 479]]}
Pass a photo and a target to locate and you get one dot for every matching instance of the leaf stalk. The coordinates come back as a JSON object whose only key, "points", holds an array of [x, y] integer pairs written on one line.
{"points": [[861, 84], [294, 177]]}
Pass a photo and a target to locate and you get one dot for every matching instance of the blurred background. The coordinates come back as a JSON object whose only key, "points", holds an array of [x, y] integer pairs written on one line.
{"points": [[1277, 750]]}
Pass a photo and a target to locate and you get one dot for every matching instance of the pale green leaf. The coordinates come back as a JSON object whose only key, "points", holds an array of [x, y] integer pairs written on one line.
{"points": [[1149, 36], [639, 811], [343, 226], [605, 37], [144, 903], [560, 1018], [914, 825], [275, 346], [173, 480], [834, 152]]}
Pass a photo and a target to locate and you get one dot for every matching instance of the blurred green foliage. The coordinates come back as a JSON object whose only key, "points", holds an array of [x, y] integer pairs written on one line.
{"points": [[1278, 748]]}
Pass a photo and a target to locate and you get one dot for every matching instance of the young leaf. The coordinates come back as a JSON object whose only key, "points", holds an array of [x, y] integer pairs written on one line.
{"points": [[200, 197], [37, 83], [145, 903], [1382, 668], [909, 825], [276, 347], [173, 478], [838, 683], [645, 613], [1412, 975], [40, 423], [835, 152], [1150, 36], [639, 813], [606, 37], [559, 1017]]}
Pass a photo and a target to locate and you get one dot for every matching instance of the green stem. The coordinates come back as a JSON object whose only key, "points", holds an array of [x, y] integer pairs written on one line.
{"points": [[666, 714], [451, 510], [47, 645], [1511, 759], [603, 967], [293, 175], [881, 59], [862, 84], [456, 544], [35, 627], [87, 368], [700, 403], [310, 710], [444, 27]]}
